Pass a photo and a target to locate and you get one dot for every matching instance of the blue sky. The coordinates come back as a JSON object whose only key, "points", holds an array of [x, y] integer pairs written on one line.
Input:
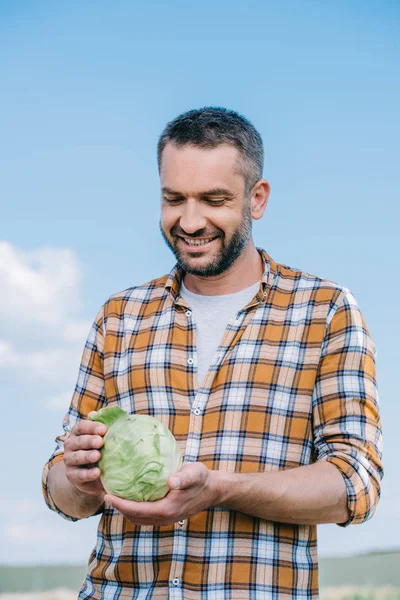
{"points": [[86, 89]]}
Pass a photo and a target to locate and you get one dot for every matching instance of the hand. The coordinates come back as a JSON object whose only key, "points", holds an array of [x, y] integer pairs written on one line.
{"points": [[81, 452], [192, 490]]}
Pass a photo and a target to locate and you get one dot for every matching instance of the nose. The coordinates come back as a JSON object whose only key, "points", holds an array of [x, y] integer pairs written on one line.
{"points": [[192, 219]]}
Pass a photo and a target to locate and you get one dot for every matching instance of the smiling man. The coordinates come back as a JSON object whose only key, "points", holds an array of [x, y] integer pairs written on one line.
{"points": [[208, 228], [265, 374]]}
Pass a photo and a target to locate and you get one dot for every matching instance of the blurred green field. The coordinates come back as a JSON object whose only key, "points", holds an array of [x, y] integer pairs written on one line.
{"points": [[375, 569], [374, 576]]}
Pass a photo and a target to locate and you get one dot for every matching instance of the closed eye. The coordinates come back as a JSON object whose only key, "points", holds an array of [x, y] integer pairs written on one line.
{"points": [[173, 200], [207, 200], [216, 202]]}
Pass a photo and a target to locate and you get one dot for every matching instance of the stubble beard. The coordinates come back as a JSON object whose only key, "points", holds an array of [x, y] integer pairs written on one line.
{"points": [[228, 254]]}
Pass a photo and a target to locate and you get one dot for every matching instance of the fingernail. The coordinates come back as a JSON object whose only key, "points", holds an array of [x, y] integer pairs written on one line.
{"points": [[176, 483], [100, 430]]}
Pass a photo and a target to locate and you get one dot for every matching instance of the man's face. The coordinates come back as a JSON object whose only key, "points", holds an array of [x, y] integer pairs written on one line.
{"points": [[205, 217]]}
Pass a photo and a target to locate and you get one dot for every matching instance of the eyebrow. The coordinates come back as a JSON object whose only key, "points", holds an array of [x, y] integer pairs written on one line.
{"points": [[207, 193]]}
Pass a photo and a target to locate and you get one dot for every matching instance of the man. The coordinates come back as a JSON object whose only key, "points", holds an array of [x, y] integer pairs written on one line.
{"points": [[264, 374]]}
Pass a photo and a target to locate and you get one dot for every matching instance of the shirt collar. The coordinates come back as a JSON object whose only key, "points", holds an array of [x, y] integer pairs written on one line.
{"points": [[173, 283]]}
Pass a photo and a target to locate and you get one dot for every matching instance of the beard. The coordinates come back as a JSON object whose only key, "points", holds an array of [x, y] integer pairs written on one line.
{"points": [[229, 253]]}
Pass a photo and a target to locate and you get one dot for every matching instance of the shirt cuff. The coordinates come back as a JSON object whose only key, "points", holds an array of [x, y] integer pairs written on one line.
{"points": [[46, 491], [349, 474]]}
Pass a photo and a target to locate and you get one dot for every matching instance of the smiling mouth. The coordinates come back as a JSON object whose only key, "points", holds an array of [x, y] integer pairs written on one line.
{"points": [[197, 243]]}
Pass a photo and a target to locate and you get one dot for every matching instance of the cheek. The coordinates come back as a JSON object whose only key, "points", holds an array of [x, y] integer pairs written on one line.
{"points": [[168, 219], [226, 222]]}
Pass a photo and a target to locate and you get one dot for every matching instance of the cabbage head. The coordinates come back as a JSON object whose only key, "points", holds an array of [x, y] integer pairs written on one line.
{"points": [[138, 456]]}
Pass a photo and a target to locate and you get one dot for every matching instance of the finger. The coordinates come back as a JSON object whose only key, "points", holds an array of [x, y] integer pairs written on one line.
{"points": [[79, 475], [191, 474], [89, 427], [121, 504], [153, 522], [81, 457], [140, 510], [84, 442]]}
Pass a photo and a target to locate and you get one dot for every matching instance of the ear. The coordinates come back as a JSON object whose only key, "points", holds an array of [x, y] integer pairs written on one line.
{"points": [[259, 198]]}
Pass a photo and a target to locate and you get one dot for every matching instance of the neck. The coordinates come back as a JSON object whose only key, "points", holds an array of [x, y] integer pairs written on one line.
{"points": [[247, 270]]}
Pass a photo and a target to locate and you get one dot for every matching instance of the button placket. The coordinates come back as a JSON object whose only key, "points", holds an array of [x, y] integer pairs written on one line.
{"points": [[176, 571]]}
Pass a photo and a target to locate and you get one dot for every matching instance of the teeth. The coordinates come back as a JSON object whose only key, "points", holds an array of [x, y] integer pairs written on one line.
{"points": [[197, 242]]}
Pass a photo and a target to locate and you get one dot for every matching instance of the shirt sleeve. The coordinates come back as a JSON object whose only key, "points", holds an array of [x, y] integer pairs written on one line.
{"points": [[346, 420], [88, 395]]}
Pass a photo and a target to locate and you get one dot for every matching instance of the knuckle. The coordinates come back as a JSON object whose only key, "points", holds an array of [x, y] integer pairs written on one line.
{"points": [[69, 459], [92, 426], [83, 475], [80, 457], [71, 440], [76, 458], [84, 442], [85, 458], [73, 458], [90, 457], [88, 442], [77, 428], [97, 441]]}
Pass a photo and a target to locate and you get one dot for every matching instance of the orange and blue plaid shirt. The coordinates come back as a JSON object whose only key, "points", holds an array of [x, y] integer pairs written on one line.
{"points": [[292, 382]]}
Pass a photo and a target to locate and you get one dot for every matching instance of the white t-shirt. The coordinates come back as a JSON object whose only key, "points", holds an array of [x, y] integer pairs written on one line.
{"points": [[211, 315]]}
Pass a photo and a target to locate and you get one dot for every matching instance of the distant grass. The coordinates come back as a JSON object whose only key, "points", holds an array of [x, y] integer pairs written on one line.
{"points": [[341, 593], [361, 593], [371, 571], [373, 576]]}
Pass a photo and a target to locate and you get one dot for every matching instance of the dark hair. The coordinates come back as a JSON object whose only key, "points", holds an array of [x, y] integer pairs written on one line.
{"points": [[211, 126]]}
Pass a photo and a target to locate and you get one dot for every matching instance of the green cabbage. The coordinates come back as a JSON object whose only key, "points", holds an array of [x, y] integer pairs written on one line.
{"points": [[138, 456]]}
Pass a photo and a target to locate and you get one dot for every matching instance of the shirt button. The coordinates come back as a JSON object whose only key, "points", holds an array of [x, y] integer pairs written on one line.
{"points": [[188, 313], [190, 361], [181, 523], [264, 294], [176, 581], [197, 411]]}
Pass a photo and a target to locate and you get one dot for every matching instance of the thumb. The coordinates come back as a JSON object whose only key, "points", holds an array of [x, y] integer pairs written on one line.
{"points": [[188, 476]]}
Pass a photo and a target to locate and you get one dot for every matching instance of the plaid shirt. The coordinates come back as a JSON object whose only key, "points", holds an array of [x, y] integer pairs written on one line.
{"points": [[293, 382]]}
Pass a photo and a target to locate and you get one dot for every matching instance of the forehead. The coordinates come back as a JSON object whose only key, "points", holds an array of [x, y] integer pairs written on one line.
{"points": [[193, 169]]}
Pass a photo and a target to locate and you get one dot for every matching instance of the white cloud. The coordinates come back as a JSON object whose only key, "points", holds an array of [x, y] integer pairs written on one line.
{"points": [[39, 285], [40, 296], [52, 365]]}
